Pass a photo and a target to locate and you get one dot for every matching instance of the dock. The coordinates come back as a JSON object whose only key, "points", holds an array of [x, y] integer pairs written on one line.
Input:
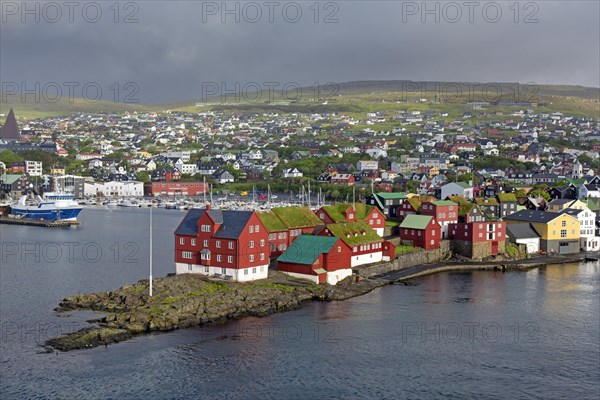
{"points": [[36, 222]]}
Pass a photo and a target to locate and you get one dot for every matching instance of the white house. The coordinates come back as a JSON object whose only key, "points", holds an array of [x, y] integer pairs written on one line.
{"points": [[586, 191], [457, 189], [33, 168], [367, 165], [524, 234], [186, 168], [587, 228], [292, 173], [114, 189]]}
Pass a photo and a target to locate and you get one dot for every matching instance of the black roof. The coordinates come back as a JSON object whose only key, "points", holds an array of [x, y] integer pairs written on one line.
{"points": [[520, 231], [189, 224], [232, 222], [532, 216]]}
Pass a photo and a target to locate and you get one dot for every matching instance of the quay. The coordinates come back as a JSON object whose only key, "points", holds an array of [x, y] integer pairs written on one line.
{"points": [[36, 222]]}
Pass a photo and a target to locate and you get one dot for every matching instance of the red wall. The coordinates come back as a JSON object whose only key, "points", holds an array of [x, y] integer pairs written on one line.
{"points": [[427, 235]]}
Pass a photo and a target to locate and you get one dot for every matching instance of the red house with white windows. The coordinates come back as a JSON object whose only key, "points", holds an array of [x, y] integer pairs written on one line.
{"points": [[359, 212], [342, 179], [285, 224], [321, 259], [421, 231], [478, 239], [224, 243], [445, 212], [365, 244]]}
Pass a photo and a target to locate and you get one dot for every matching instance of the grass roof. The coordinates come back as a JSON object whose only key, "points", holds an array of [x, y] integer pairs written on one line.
{"points": [[504, 197], [271, 221], [297, 217], [486, 201], [341, 231], [336, 212], [389, 196], [443, 203], [465, 208]]}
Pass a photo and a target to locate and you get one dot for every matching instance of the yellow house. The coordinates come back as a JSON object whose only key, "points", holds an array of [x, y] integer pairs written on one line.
{"points": [[57, 171], [559, 233], [558, 205]]}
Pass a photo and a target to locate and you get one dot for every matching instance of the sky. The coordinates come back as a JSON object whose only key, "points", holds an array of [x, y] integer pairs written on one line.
{"points": [[165, 51]]}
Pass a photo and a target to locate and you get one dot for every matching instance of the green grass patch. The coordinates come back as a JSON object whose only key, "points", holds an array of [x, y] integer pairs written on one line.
{"points": [[392, 223], [171, 300], [512, 250], [404, 249], [276, 286]]}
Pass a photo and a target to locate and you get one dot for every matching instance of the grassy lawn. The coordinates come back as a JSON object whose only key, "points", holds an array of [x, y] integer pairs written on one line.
{"points": [[392, 223], [404, 248]]}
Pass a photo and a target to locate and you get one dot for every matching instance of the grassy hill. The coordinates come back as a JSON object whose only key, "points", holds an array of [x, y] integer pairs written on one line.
{"points": [[355, 98]]}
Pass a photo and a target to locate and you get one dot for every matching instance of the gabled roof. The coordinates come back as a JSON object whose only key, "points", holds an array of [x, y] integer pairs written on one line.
{"points": [[232, 222], [271, 221], [297, 217], [336, 212], [341, 231], [306, 249], [521, 231], [443, 203], [413, 221], [533, 216], [486, 202], [390, 196], [506, 197]]}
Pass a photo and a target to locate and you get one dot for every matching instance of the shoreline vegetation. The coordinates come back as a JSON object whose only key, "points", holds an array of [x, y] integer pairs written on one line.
{"points": [[185, 301]]}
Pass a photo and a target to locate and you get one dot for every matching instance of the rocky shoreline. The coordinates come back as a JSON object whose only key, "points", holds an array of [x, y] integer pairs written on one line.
{"points": [[187, 300]]}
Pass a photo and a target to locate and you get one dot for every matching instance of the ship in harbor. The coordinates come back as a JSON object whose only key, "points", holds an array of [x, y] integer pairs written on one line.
{"points": [[53, 207]]}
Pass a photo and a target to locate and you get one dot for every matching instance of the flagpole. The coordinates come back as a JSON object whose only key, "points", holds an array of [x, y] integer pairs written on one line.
{"points": [[151, 251]]}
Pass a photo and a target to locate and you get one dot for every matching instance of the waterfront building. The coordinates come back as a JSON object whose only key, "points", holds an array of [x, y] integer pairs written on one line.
{"points": [[344, 212], [421, 231], [229, 244]]}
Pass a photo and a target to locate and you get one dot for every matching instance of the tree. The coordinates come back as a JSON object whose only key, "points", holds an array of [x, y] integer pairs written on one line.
{"points": [[142, 176], [9, 157]]}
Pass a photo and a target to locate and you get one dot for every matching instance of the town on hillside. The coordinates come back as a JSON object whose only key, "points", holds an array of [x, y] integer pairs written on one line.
{"points": [[361, 189]]}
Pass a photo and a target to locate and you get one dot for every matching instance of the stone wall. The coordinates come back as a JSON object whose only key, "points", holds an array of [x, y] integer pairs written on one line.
{"points": [[407, 260], [476, 250]]}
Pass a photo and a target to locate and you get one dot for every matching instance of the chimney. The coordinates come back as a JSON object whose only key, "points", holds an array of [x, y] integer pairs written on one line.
{"points": [[207, 207]]}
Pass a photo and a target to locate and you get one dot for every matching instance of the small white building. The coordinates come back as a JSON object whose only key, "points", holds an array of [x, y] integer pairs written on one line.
{"points": [[33, 168], [292, 173], [114, 189], [587, 228], [457, 189]]}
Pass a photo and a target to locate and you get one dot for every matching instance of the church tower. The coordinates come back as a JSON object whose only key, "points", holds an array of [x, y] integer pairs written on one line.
{"points": [[10, 130]]}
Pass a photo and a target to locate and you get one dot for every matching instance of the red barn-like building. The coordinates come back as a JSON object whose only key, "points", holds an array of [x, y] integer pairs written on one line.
{"points": [[421, 231], [225, 243], [478, 239], [176, 188], [360, 212]]}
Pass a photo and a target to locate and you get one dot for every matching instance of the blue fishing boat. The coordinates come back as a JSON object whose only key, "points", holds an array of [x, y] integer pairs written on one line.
{"points": [[54, 206]]}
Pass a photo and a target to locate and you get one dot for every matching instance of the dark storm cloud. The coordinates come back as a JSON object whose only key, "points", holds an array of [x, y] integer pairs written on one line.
{"points": [[171, 50]]}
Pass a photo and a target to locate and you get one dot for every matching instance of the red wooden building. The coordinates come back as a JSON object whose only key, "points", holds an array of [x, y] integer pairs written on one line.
{"points": [[421, 231], [445, 212], [225, 243], [285, 224], [366, 245], [175, 188], [478, 239], [359, 212], [342, 179], [321, 259]]}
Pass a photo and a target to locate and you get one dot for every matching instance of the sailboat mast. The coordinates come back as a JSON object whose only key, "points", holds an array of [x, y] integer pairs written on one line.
{"points": [[150, 277]]}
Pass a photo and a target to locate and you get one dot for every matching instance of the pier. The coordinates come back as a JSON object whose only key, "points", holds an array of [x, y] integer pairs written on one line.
{"points": [[36, 222]]}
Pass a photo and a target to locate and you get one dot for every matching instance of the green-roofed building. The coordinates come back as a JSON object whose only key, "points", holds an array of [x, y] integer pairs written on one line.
{"points": [[358, 212], [320, 259], [508, 204], [388, 203], [365, 244], [14, 183], [284, 224], [421, 231]]}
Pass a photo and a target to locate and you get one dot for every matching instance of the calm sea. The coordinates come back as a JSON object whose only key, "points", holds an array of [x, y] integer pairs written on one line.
{"points": [[477, 335]]}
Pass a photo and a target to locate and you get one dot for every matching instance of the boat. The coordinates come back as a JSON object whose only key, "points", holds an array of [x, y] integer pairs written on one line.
{"points": [[54, 206]]}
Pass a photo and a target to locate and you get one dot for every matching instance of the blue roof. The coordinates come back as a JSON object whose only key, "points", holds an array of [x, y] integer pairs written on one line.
{"points": [[189, 224]]}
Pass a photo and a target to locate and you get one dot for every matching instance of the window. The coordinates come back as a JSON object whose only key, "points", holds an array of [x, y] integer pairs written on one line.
{"points": [[205, 256], [223, 271], [375, 215], [251, 244], [322, 215], [563, 233], [251, 257], [246, 271], [230, 259], [256, 228], [181, 240], [251, 229], [206, 243], [189, 267], [205, 228], [253, 270], [262, 242], [231, 245], [219, 258], [432, 241], [206, 269], [262, 256], [218, 244], [186, 254], [432, 233], [339, 249], [564, 223]]}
